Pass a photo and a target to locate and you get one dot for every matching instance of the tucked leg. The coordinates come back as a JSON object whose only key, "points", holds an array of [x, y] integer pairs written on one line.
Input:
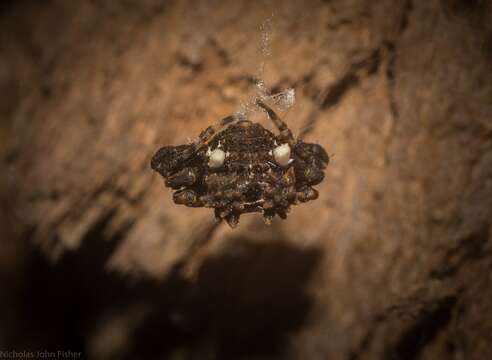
{"points": [[185, 177], [312, 153], [170, 159], [232, 219], [268, 215], [187, 197], [228, 214], [307, 193]]}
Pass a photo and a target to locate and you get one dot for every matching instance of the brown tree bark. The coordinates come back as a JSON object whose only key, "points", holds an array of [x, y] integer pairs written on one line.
{"points": [[392, 261]]}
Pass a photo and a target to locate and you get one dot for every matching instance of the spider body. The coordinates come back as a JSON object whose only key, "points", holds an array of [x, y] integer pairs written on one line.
{"points": [[243, 168]]}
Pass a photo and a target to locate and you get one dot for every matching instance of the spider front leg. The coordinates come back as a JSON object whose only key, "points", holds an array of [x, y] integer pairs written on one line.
{"points": [[285, 133], [209, 132]]}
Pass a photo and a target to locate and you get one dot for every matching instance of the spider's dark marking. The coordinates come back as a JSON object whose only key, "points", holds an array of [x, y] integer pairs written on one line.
{"points": [[249, 179]]}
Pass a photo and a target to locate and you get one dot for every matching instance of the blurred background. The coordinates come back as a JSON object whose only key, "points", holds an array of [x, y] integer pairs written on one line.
{"points": [[393, 261]]}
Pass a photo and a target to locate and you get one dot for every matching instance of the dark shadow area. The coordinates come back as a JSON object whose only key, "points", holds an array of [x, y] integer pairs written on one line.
{"points": [[57, 303], [413, 341], [242, 303]]}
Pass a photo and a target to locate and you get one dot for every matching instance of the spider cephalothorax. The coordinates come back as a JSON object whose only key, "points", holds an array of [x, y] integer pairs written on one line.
{"points": [[243, 168]]}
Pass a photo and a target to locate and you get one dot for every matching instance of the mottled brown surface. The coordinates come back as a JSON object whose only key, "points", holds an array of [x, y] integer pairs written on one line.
{"points": [[393, 261]]}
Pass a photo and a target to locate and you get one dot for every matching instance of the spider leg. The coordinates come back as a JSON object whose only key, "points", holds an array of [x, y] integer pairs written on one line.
{"points": [[187, 197], [209, 132], [306, 194], [285, 133], [227, 214], [232, 219], [185, 177]]}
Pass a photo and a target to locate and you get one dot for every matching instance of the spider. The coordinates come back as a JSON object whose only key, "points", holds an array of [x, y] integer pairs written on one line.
{"points": [[238, 166]]}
